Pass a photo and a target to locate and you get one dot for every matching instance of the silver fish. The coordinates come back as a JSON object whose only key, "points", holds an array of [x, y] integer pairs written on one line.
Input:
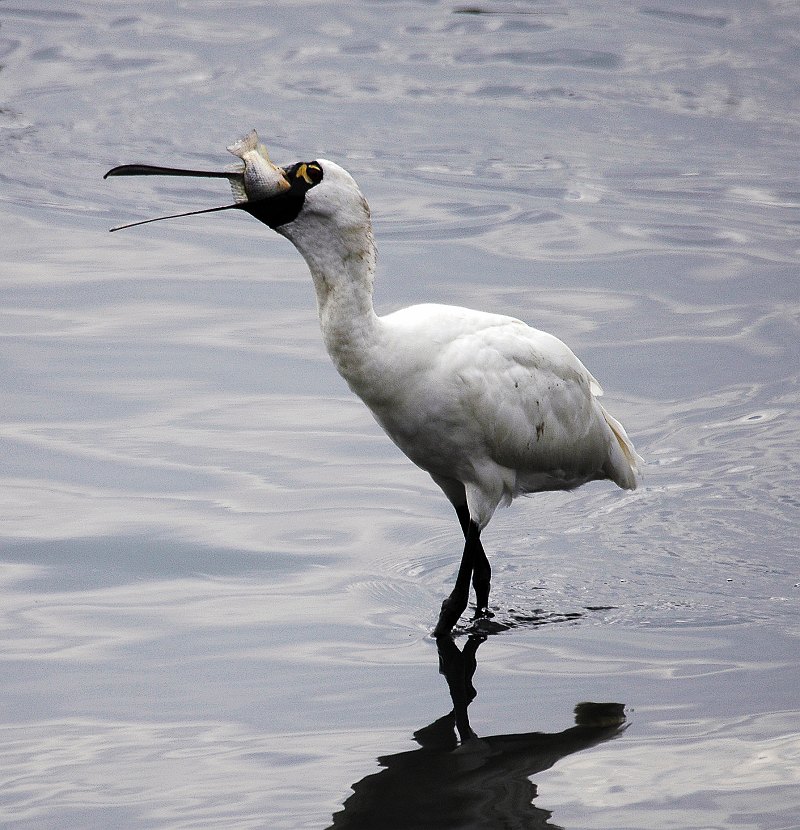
{"points": [[262, 178]]}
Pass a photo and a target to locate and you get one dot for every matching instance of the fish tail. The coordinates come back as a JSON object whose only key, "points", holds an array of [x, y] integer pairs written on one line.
{"points": [[244, 145]]}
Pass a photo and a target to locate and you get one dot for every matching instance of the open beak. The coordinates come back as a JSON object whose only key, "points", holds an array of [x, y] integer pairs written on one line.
{"points": [[153, 170], [273, 210]]}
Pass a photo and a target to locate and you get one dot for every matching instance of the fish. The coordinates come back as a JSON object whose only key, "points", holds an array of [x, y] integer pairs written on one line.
{"points": [[261, 178]]}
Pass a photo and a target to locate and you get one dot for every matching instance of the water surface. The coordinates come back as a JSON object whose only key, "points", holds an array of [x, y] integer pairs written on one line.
{"points": [[218, 578]]}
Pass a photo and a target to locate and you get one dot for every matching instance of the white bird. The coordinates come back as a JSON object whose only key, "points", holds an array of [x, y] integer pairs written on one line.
{"points": [[490, 407]]}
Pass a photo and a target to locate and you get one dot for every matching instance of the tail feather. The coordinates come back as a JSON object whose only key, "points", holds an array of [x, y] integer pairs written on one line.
{"points": [[623, 465]]}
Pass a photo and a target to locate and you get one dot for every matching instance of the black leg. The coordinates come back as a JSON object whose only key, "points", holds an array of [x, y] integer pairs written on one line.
{"points": [[475, 565], [463, 518], [481, 569], [481, 581], [453, 607]]}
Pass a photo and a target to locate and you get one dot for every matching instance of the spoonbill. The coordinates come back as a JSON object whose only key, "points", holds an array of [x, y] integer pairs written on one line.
{"points": [[490, 407]]}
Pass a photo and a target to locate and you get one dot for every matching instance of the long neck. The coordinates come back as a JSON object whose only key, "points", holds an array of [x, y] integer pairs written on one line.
{"points": [[342, 265]]}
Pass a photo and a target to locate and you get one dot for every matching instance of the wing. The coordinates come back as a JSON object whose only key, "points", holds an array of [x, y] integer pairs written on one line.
{"points": [[474, 396], [532, 399]]}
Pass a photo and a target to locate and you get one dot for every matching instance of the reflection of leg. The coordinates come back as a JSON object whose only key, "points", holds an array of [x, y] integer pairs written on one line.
{"points": [[458, 668], [471, 663]]}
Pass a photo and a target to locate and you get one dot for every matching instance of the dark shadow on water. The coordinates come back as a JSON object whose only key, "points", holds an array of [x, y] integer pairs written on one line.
{"points": [[499, 620], [459, 781]]}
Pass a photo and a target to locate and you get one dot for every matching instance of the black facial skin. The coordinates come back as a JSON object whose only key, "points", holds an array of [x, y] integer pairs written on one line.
{"points": [[286, 206]]}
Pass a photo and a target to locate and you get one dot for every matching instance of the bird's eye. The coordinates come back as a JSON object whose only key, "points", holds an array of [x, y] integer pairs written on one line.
{"points": [[310, 172]]}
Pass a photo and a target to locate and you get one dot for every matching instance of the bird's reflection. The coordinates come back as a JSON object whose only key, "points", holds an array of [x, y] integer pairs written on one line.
{"points": [[459, 781]]}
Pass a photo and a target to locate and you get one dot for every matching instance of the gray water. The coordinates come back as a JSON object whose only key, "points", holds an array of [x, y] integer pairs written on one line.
{"points": [[217, 576]]}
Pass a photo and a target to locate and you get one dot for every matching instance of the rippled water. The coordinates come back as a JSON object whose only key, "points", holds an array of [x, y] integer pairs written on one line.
{"points": [[217, 577]]}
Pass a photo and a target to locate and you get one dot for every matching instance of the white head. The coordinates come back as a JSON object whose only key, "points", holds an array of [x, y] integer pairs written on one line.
{"points": [[332, 227], [332, 199]]}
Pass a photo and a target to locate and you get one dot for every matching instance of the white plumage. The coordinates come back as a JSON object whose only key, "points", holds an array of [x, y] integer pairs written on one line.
{"points": [[489, 406]]}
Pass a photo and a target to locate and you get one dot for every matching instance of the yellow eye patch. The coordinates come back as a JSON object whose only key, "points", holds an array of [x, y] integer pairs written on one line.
{"points": [[310, 173]]}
